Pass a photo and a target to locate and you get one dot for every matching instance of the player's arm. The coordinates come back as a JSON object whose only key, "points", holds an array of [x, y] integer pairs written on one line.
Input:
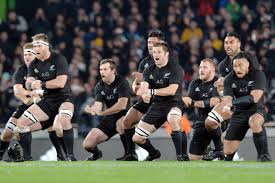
{"points": [[167, 91], [175, 82], [94, 109], [256, 94], [61, 76], [138, 79], [117, 107], [123, 97], [22, 94], [227, 99]]}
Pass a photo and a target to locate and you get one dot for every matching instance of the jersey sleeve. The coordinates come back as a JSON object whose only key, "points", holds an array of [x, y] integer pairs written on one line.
{"points": [[18, 77], [260, 81], [141, 66], [62, 67], [191, 89], [215, 92], [31, 72], [98, 94], [146, 74], [124, 89], [176, 75], [221, 70], [228, 91]]}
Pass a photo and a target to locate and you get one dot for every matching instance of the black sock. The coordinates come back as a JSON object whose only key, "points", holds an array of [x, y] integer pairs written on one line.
{"points": [[229, 157], [216, 137], [56, 143], [61, 141], [131, 147], [258, 139], [265, 151], [148, 147], [25, 142], [95, 151], [124, 143], [184, 143], [68, 137], [177, 139], [3, 147]]}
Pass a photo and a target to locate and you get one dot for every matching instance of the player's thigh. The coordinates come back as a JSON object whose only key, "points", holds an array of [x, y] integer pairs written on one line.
{"points": [[132, 117], [95, 136]]}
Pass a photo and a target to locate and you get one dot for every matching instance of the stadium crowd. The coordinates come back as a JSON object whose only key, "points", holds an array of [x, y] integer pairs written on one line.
{"points": [[85, 32]]}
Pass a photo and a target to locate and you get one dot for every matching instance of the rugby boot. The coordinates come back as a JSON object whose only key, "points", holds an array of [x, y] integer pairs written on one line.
{"points": [[153, 156], [95, 157]]}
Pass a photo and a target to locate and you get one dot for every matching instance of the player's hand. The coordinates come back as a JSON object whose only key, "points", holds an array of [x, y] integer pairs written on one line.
{"points": [[144, 88], [36, 93], [28, 101], [37, 84], [137, 75], [28, 83], [146, 97], [187, 101], [219, 82], [90, 110]]}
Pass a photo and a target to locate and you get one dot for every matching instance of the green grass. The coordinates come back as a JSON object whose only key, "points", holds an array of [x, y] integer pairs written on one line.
{"points": [[137, 172]]}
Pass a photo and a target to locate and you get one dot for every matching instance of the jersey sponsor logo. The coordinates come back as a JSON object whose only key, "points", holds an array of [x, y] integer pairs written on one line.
{"points": [[160, 81], [197, 89], [250, 83], [166, 75], [102, 93], [36, 71], [243, 90], [234, 85], [110, 97], [151, 77], [52, 68], [211, 89]]}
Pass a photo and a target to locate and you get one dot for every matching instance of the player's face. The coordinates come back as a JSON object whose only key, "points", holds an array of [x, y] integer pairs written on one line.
{"points": [[28, 58], [160, 56], [150, 43], [41, 50], [241, 67], [231, 45], [205, 71], [106, 72]]}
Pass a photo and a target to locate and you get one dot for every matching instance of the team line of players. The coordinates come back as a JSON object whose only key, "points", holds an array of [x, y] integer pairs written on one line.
{"points": [[235, 98]]}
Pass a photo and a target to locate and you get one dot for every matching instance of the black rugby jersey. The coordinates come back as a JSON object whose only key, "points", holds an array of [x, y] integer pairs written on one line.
{"points": [[20, 75], [145, 63], [239, 87], [109, 94], [199, 90], [49, 69], [163, 77], [226, 66]]}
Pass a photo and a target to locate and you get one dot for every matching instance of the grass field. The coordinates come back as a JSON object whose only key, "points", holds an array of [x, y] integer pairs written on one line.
{"points": [[137, 172]]}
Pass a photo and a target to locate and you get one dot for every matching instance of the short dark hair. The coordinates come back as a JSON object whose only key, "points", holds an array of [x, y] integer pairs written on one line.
{"points": [[234, 34], [162, 44], [156, 33], [110, 61], [252, 59]]}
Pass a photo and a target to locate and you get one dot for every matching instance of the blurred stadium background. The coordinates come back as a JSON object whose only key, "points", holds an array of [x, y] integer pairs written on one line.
{"points": [[86, 31]]}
